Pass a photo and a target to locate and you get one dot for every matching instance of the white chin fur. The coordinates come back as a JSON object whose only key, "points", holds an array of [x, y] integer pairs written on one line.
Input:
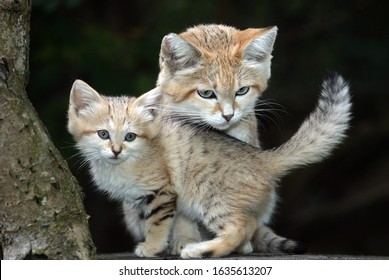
{"points": [[222, 124], [114, 161]]}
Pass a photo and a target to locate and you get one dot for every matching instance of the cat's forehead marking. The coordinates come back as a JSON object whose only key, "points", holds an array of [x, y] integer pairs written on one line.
{"points": [[221, 67], [120, 115], [208, 37]]}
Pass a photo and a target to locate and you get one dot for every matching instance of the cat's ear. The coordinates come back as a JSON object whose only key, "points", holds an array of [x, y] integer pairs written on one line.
{"points": [[149, 102], [260, 45], [177, 54], [83, 97]]}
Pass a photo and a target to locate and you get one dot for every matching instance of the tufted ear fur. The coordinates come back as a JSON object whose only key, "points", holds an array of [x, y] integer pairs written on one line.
{"points": [[261, 46], [83, 97], [177, 54]]}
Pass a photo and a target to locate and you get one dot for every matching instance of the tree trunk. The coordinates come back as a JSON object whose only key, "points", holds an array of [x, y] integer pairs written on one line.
{"points": [[41, 209]]}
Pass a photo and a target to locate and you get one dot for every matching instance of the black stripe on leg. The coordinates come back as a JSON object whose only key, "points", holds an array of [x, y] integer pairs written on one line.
{"points": [[168, 216], [147, 199], [159, 208], [141, 215]]}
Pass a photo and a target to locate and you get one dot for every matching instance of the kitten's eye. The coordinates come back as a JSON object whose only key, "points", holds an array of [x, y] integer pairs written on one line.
{"points": [[243, 91], [130, 137], [206, 93], [103, 134]]}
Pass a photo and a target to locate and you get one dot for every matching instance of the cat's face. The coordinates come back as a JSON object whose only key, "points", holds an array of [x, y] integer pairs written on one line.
{"points": [[108, 129], [215, 74]]}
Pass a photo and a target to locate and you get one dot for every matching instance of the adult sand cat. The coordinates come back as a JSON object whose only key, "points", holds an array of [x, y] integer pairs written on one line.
{"points": [[214, 75], [165, 165]]}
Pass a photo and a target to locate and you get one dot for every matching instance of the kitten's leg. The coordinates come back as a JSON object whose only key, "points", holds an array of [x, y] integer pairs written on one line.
{"points": [[266, 241], [235, 233], [133, 223], [184, 232], [158, 219]]}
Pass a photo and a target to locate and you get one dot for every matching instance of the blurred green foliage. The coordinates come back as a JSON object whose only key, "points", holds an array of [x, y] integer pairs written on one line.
{"points": [[114, 46]]}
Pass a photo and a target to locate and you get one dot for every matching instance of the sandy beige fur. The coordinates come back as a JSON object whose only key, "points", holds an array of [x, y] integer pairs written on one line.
{"points": [[176, 166], [222, 59]]}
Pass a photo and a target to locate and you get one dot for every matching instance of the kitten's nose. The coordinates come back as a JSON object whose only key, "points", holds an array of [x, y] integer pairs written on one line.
{"points": [[116, 153], [228, 117]]}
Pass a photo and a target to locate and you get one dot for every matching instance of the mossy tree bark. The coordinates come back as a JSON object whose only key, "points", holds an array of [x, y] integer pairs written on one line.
{"points": [[41, 209]]}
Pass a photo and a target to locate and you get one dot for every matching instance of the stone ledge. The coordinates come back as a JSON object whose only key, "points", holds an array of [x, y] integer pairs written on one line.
{"points": [[255, 256]]}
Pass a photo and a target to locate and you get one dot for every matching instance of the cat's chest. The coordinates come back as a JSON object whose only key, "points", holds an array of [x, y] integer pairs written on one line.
{"points": [[245, 131], [118, 183], [241, 133]]}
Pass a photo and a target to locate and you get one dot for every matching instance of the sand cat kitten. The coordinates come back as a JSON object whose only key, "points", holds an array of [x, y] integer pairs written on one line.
{"points": [[165, 165], [214, 74]]}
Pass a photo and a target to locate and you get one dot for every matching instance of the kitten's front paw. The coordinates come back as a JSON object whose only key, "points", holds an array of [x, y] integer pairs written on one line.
{"points": [[178, 245], [146, 250], [194, 250], [245, 249]]}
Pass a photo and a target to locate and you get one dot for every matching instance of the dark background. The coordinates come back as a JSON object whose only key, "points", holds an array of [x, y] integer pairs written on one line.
{"points": [[339, 206]]}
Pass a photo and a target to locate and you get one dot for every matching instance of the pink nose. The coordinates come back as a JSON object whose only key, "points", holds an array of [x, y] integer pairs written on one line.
{"points": [[228, 117], [116, 153]]}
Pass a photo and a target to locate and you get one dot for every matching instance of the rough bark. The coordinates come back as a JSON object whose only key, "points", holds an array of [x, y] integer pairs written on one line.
{"points": [[41, 209]]}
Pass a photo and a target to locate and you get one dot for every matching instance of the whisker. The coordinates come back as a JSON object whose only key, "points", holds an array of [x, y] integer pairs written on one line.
{"points": [[269, 110]]}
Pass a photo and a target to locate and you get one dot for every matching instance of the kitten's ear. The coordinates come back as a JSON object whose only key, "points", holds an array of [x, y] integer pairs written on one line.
{"points": [[150, 102], [83, 96], [178, 54], [261, 44]]}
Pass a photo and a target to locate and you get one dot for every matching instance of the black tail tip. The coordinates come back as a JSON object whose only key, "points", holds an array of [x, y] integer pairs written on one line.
{"points": [[299, 249]]}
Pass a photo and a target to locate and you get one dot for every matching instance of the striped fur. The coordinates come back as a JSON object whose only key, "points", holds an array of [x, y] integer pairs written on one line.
{"points": [[174, 166], [224, 59]]}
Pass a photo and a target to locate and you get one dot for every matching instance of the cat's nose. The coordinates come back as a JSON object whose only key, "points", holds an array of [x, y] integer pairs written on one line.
{"points": [[228, 117], [116, 152]]}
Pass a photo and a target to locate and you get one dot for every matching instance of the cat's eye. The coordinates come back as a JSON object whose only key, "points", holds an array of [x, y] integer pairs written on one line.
{"points": [[206, 93], [130, 137], [243, 91], [103, 134]]}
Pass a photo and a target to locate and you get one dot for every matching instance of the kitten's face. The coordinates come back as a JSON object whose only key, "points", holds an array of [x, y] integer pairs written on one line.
{"points": [[108, 129], [215, 74]]}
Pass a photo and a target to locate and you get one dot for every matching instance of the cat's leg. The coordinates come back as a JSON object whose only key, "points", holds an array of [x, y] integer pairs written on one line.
{"points": [[234, 233], [184, 232], [132, 220], [158, 218], [266, 241]]}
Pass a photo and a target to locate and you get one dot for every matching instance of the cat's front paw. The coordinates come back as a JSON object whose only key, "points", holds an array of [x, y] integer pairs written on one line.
{"points": [[245, 249], [148, 250], [194, 251], [178, 245]]}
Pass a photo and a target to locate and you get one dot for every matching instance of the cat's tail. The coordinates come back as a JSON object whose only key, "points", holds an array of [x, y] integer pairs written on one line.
{"points": [[319, 133]]}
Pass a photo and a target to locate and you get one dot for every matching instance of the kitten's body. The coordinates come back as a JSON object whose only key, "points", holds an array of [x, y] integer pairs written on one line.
{"points": [[223, 60], [204, 175]]}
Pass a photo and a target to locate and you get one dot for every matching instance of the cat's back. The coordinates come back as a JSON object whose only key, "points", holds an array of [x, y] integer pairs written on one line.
{"points": [[190, 144]]}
